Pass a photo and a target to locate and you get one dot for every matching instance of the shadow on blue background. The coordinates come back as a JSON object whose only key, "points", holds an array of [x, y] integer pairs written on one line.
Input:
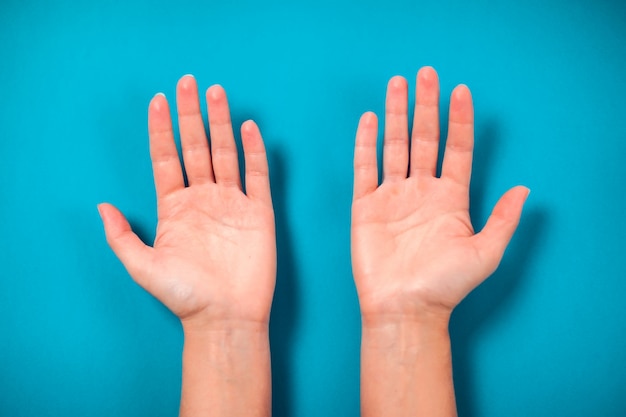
{"points": [[474, 312], [485, 302], [285, 306]]}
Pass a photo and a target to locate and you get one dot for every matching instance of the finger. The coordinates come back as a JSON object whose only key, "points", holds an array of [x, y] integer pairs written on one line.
{"points": [[223, 148], [168, 174], [131, 251], [496, 235], [257, 171], [396, 145], [457, 160], [193, 138], [425, 135], [365, 159]]}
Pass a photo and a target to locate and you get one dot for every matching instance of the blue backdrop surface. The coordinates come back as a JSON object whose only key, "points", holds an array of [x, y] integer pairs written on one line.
{"points": [[544, 336]]}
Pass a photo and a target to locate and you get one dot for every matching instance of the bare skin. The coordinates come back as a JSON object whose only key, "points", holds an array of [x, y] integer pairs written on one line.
{"points": [[415, 253], [213, 261], [414, 250]]}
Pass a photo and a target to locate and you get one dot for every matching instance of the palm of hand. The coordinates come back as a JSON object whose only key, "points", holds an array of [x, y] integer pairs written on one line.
{"points": [[214, 250], [411, 239], [214, 256], [414, 249]]}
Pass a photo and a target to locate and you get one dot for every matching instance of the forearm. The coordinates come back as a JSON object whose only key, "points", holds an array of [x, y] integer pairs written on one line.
{"points": [[406, 368], [226, 371]]}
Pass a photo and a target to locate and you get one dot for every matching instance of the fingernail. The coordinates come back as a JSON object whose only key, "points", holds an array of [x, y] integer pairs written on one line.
{"points": [[216, 92], [397, 81]]}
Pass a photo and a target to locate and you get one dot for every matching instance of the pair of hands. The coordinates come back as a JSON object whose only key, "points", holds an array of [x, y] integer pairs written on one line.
{"points": [[414, 250]]}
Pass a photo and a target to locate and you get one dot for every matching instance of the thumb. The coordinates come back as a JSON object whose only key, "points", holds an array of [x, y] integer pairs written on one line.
{"points": [[492, 241], [134, 254]]}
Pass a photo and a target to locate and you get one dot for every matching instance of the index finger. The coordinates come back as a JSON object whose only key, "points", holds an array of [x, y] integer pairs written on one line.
{"points": [[457, 160]]}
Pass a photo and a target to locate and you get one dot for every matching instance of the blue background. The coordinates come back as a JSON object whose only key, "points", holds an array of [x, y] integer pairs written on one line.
{"points": [[544, 336]]}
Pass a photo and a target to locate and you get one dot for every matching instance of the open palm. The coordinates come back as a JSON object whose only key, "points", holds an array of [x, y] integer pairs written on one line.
{"points": [[414, 249], [214, 256]]}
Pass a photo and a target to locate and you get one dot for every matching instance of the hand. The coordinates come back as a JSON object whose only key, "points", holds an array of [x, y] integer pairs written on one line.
{"points": [[414, 250], [214, 256]]}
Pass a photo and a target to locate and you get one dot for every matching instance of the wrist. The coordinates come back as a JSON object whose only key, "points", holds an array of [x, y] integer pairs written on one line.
{"points": [[403, 338], [397, 311], [226, 369], [419, 318], [230, 344], [406, 365], [196, 327], [424, 320]]}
